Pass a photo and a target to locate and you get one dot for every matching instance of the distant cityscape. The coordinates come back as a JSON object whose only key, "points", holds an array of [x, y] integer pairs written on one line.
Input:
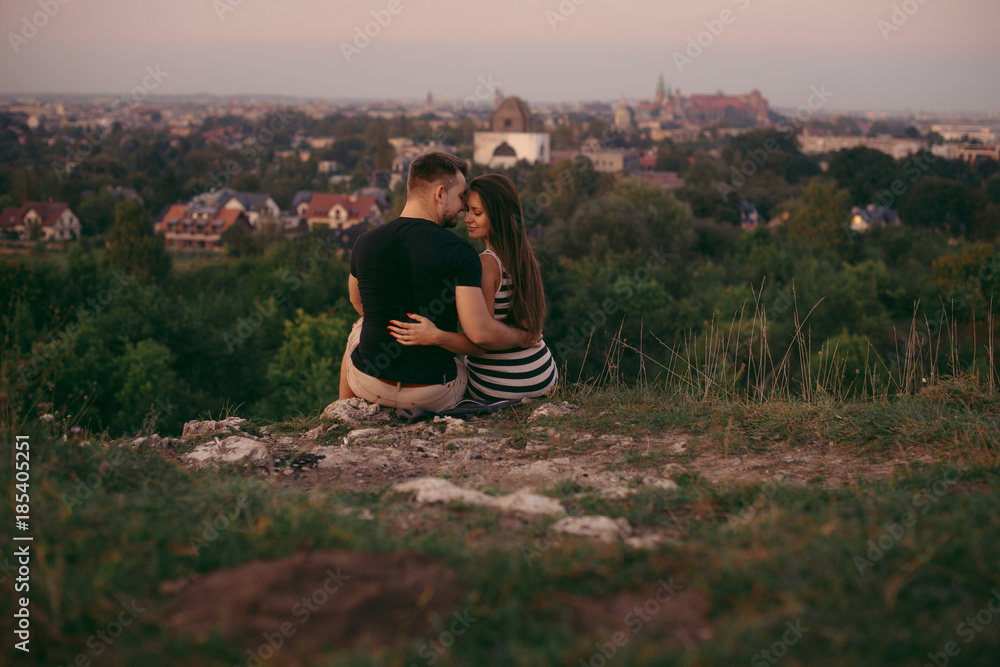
{"points": [[507, 131]]}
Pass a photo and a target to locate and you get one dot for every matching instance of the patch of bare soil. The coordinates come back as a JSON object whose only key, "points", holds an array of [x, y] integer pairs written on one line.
{"points": [[315, 600], [658, 610], [472, 455]]}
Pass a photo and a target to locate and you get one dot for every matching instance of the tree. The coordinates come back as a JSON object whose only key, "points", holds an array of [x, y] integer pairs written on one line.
{"points": [[609, 224], [863, 172], [759, 139], [941, 203], [239, 241], [821, 219], [132, 245], [305, 373], [667, 220], [97, 213], [145, 378]]}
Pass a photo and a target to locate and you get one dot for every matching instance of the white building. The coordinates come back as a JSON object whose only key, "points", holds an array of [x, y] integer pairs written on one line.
{"points": [[510, 138]]}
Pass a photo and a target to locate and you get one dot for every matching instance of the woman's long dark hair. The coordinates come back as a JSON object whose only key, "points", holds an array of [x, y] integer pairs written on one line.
{"points": [[508, 239]]}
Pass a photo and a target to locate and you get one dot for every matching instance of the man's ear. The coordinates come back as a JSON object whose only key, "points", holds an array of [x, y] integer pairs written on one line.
{"points": [[440, 193]]}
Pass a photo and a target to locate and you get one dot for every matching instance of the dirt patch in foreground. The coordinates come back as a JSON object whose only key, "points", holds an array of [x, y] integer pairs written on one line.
{"points": [[319, 600]]}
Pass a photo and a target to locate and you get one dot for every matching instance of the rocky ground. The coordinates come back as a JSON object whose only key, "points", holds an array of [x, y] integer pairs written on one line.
{"points": [[510, 460], [537, 467]]}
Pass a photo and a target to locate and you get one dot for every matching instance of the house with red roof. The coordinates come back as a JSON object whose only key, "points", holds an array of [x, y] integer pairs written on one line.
{"points": [[335, 211], [49, 221], [187, 226]]}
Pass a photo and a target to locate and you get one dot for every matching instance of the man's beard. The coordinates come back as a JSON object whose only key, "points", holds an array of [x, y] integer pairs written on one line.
{"points": [[450, 222]]}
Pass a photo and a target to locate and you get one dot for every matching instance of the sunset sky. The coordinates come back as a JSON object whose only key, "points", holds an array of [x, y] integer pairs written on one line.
{"points": [[944, 57]]}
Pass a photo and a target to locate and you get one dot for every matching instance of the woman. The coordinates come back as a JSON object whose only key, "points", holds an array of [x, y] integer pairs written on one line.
{"points": [[512, 287]]}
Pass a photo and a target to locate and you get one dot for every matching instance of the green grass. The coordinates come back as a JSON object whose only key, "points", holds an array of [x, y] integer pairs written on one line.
{"points": [[790, 553], [954, 418]]}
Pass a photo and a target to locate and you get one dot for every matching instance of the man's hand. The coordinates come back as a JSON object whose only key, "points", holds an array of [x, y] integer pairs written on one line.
{"points": [[532, 339]]}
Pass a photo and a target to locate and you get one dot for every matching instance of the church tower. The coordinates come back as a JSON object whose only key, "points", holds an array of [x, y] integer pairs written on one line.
{"points": [[661, 92]]}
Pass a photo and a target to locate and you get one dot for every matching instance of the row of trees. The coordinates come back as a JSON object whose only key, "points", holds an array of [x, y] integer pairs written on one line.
{"points": [[109, 338]]}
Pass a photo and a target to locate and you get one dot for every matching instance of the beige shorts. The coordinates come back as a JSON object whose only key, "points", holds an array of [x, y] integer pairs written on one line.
{"points": [[433, 397]]}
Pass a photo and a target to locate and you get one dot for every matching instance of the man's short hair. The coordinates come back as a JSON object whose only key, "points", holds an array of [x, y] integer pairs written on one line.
{"points": [[434, 167]]}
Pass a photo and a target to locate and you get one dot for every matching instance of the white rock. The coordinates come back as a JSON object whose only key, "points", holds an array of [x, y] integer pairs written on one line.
{"points": [[313, 434], [551, 410], [363, 434], [337, 456], [453, 426], [234, 449], [528, 503], [466, 442], [201, 429], [649, 541], [437, 490], [660, 483], [595, 527], [679, 447], [616, 492], [354, 411]]}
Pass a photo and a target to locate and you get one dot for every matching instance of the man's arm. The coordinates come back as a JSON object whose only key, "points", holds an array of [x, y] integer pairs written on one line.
{"points": [[352, 288], [481, 328]]}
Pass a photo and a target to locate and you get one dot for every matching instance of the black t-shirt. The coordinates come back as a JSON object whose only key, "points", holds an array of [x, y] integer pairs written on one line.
{"points": [[410, 265]]}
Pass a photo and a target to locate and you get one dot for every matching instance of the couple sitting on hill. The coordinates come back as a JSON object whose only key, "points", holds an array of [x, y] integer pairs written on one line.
{"points": [[413, 282]]}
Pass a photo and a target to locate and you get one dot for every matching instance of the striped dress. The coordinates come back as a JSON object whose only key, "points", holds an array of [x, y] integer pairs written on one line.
{"points": [[514, 373]]}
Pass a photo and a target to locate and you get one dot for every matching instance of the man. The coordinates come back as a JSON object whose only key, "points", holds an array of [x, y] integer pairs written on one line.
{"points": [[413, 265]]}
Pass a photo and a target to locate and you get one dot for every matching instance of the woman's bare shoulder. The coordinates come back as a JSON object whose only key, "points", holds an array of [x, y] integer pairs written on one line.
{"points": [[491, 269]]}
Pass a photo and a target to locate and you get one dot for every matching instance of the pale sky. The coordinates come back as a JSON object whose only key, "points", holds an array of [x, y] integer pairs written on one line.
{"points": [[944, 55]]}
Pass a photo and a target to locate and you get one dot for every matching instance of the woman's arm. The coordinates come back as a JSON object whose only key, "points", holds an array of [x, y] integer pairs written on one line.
{"points": [[491, 280], [424, 332]]}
